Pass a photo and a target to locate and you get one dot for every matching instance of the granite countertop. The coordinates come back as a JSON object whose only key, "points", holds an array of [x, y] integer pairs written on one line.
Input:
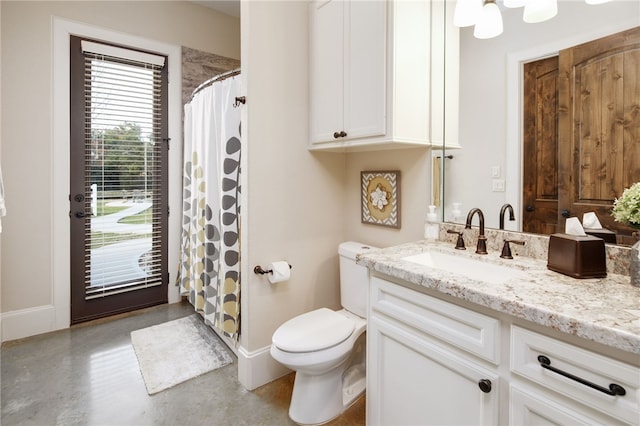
{"points": [[603, 310]]}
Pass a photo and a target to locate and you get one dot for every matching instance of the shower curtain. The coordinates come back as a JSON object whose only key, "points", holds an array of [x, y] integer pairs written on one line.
{"points": [[209, 270]]}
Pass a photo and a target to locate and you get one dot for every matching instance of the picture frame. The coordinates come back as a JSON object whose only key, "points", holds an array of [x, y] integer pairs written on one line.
{"points": [[380, 198]]}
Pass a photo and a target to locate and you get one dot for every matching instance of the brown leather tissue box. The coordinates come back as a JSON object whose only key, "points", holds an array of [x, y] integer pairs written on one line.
{"points": [[578, 256]]}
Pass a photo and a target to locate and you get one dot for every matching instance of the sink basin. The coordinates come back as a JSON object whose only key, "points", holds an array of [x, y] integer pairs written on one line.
{"points": [[471, 268]]}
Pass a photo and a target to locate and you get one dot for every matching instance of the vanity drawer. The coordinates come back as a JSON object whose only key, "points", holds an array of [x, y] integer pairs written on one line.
{"points": [[579, 374], [529, 407], [468, 330]]}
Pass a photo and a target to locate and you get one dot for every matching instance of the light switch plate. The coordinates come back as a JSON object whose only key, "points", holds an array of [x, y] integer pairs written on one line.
{"points": [[497, 185]]}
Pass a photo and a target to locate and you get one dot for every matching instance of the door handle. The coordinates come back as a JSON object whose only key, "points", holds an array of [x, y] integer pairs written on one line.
{"points": [[566, 214], [530, 208], [80, 215]]}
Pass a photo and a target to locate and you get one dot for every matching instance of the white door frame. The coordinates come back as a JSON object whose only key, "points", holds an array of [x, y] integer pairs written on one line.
{"points": [[60, 147]]}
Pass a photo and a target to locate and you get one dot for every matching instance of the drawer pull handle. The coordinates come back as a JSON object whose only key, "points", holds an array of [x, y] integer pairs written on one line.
{"points": [[613, 390]]}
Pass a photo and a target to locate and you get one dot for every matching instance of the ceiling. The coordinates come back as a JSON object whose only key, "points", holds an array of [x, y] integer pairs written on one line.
{"points": [[228, 7]]}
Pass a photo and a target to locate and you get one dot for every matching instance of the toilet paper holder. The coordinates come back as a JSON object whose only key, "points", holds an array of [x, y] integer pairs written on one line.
{"points": [[258, 270]]}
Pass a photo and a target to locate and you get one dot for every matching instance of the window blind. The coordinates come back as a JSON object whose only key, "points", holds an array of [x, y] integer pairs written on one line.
{"points": [[124, 155]]}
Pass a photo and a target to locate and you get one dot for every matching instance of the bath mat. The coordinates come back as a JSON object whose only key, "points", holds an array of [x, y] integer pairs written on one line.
{"points": [[176, 351]]}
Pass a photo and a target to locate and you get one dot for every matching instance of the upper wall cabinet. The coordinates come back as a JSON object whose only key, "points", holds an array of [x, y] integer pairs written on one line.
{"points": [[377, 74]]}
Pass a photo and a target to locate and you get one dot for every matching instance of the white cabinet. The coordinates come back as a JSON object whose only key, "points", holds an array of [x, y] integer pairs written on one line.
{"points": [[423, 361], [376, 72], [347, 57], [430, 361], [591, 385]]}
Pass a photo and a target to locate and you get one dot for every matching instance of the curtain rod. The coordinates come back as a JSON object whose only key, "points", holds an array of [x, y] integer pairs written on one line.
{"points": [[212, 80]]}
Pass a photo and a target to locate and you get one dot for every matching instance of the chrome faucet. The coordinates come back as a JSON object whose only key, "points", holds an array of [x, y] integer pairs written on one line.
{"points": [[503, 209], [481, 248]]}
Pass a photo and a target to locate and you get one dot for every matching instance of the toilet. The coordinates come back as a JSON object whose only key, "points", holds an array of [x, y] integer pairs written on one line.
{"points": [[326, 348]]}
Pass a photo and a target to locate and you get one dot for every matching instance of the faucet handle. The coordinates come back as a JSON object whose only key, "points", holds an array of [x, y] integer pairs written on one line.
{"points": [[506, 249], [460, 241]]}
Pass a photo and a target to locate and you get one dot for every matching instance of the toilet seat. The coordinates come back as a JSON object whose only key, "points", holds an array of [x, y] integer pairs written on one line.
{"points": [[313, 331]]}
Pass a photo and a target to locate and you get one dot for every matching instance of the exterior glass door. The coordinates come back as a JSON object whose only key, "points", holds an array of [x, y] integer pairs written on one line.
{"points": [[118, 192]]}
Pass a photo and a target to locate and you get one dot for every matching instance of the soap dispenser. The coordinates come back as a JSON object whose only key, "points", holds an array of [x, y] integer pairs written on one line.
{"points": [[431, 226], [456, 213]]}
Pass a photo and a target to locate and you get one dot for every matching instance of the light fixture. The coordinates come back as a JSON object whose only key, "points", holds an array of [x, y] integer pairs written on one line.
{"points": [[489, 22], [517, 3], [466, 12], [486, 16], [539, 10]]}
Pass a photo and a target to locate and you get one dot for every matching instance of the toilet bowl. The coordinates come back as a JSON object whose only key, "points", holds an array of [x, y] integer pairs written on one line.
{"points": [[320, 394], [326, 348]]}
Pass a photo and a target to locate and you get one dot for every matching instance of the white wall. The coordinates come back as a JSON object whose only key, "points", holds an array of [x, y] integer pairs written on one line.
{"points": [[489, 114], [30, 153], [0, 169]]}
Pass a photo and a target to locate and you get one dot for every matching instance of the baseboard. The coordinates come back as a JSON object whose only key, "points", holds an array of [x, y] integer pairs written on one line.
{"points": [[27, 322], [258, 368]]}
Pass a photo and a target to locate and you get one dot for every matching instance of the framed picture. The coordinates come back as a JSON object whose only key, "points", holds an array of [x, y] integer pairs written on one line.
{"points": [[381, 198]]}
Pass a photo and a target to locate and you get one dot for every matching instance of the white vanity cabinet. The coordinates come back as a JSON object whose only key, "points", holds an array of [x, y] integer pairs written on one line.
{"points": [[376, 73], [429, 362]]}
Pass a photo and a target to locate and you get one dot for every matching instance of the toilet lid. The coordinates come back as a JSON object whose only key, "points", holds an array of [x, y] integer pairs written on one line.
{"points": [[313, 331]]}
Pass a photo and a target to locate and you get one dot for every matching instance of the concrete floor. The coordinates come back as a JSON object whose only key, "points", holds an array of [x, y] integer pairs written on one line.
{"points": [[88, 375]]}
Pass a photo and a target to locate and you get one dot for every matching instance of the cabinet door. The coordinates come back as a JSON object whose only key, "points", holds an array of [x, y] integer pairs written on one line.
{"points": [[347, 69], [364, 102], [413, 381], [326, 69]]}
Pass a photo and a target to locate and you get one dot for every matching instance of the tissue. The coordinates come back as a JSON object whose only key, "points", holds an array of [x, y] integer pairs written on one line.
{"points": [[590, 220], [593, 227], [280, 271], [573, 227]]}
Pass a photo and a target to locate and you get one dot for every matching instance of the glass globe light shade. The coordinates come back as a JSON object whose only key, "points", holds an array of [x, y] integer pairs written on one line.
{"points": [[466, 12], [490, 21]]}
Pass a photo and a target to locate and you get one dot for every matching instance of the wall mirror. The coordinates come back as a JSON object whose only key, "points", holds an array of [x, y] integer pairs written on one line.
{"points": [[487, 171]]}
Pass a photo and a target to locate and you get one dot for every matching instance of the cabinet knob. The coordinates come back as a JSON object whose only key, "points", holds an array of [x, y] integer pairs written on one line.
{"points": [[340, 134], [336, 135], [485, 385], [343, 134]]}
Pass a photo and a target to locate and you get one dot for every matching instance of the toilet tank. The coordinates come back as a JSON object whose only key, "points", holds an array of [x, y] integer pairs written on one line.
{"points": [[354, 279]]}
